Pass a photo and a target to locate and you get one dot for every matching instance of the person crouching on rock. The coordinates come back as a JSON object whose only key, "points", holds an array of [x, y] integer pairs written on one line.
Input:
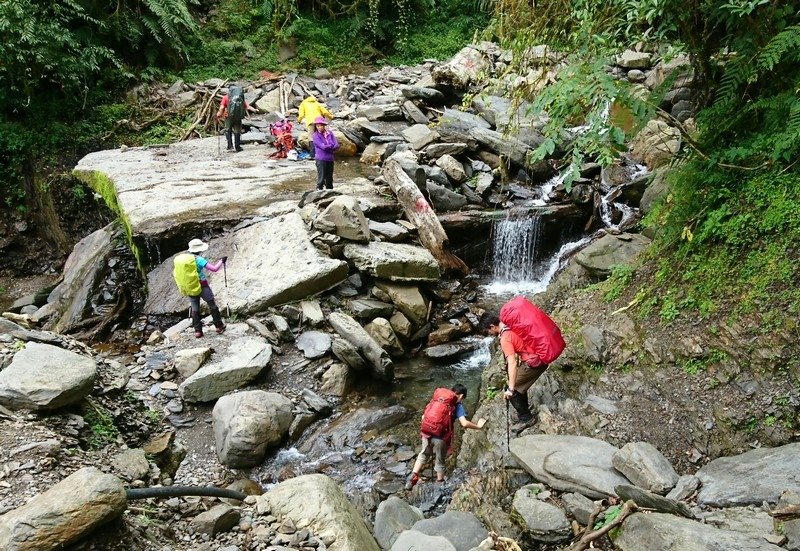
{"points": [[197, 246], [436, 429], [325, 144]]}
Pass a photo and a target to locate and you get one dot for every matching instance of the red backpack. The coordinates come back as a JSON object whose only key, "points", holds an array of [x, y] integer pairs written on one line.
{"points": [[438, 417], [539, 333]]}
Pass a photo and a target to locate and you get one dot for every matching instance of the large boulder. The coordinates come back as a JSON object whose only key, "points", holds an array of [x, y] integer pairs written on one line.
{"points": [[348, 431], [344, 218], [83, 266], [463, 530], [462, 69], [409, 301], [392, 518], [664, 532], [247, 424], [381, 330], [646, 467], [394, 261], [600, 257], [65, 513], [545, 522], [569, 463], [512, 148], [411, 540], [246, 359], [351, 331], [445, 200], [656, 144], [315, 502], [45, 377], [455, 125], [269, 263], [750, 478]]}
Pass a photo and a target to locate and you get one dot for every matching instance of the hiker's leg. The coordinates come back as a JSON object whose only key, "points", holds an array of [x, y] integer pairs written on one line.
{"points": [[413, 478], [328, 174], [311, 149], [208, 295], [519, 400], [237, 136], [228, 134], [439, 453], [320, 174], [197, 322]]}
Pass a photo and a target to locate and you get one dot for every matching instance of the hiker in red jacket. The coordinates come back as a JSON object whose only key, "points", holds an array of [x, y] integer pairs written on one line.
{"points": [[436, 429], [523, 367]]}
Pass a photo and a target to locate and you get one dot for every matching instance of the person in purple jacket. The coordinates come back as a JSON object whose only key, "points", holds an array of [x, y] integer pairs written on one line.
{"points": [[325, 144]]}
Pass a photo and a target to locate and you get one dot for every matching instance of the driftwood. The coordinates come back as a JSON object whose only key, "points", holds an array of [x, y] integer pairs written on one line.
{"points": [[589, 535], [420, 213], [206, 115], [499, 543]]}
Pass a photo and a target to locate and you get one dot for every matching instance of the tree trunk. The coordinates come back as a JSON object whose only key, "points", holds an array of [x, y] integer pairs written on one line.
{"points": [[420, 213], [40, 205]]}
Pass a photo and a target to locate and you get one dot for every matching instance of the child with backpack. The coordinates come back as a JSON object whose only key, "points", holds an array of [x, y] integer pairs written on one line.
{"points": [[530, 342], [436, 429], [191, 281], [234, 108]]}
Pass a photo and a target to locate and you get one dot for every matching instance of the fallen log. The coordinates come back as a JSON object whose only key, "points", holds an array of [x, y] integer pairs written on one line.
{"points": [[419, 212]]}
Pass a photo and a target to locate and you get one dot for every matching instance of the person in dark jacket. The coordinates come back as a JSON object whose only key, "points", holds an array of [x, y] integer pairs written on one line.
{"points": [[325, 144]]}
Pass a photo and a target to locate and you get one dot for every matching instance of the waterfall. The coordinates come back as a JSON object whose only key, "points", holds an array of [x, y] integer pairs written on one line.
{"points": [[514, 247]]}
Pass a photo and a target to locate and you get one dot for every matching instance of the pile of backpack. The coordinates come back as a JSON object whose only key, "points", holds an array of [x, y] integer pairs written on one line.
{"points": [[284, 142]]}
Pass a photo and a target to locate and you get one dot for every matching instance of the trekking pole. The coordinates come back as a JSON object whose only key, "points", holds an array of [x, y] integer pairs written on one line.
{"points": [[508, 420], [225, 276], [216, 129]]}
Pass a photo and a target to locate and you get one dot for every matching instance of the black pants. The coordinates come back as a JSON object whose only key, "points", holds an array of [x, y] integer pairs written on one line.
{"points": [[324, 174], [207, 295], [233, 134]]}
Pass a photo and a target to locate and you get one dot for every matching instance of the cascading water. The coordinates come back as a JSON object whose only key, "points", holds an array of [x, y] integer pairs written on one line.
{"points": [[514, 247]]}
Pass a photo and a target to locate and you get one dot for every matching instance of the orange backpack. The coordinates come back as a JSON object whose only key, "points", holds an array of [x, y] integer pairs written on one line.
{"points": [[438, 417]]}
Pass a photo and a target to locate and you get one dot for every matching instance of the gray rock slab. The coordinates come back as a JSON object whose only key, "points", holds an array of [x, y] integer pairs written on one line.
{"points": [[419, 135], [600, 256], [747, 520], [461, 529], [649, 500], [245, 359], [344, 217], [580, 507], [74, 507], [131, 464], [750, 478], [570, 463], [408, 299], [389, 231], [687, 485], [412, 540], [646, 467], [664, 532], [394, 261], [366, 308], [314, 344], [220, 518], [392, 518], [546, 523], [269, 263], [367, 348], [189, 360], [45, 377]]}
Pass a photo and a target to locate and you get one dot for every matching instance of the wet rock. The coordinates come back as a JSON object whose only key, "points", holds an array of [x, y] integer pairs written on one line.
{"points": [[350, 330], [45, 377], [546, 523], [220, 518], [336, 380], [401, 326], [684, 488], [389, 231], [392, 518], [344, 218], [316, 402], [455, 125], [394, 261], [314, 344], [408, 300], [365, 308], [188, 361], [247, 424], [300, 423], [463, 530], [131, 464], [348, 353], [446, 332], [63, 514], [511, 148], [646, 467], [381, 330], [332, 515], [347, 431], [445, 200], [247, 358], [449, 351], [600, 256]]}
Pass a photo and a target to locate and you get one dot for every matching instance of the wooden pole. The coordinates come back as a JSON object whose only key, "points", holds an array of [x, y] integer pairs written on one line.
{"points": [[419, 212]]}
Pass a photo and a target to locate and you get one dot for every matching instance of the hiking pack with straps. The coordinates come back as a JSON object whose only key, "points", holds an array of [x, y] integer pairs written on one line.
{"points": [[539, 333], [185, 274], [235, 103], [438, 417]]}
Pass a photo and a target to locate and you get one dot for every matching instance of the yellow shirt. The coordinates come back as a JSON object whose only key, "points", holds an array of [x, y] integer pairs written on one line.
{"points": [[310, 109]]}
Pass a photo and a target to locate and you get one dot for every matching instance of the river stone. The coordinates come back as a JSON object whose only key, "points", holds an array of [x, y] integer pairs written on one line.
{"points": [[220, 518], [580, 507], [316, 502], [750, 478], [347, 431], [461, 529], [658, 189], [245, 360], [270, 102], [46, 377], [269, 263], [649, 500], [436, 150], [312, 312], [431, 96], [394, 261], [413, 113], [365, 308], [656, 144], [643, 464], [569, 463], [375, 153], [465, 67], [336, 380], [451, 350], [455, 125], [314, 344], [512, 148], [383, 112], [452, 167], [411, 540], [131, 464], [188, 361], [546, 523], [65, 513], [445, 200], [350, 330], [389, 231], [419, 135], [83, 267], [631, 59], [687, 485], [381, 330], [599, 257], [401, 326], [246, 424], [348, 353], [408, 300], [393, 517], [344, 218], [664, 532]]}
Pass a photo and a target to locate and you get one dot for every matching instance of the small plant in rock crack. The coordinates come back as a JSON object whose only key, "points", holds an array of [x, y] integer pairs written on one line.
{"points": [[101, 425], [492, 392]]}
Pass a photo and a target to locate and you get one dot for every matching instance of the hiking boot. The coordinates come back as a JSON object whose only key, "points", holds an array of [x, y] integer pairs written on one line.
{"points": [[522, 425], [220, 329], [412, 481], [198, 334]]}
